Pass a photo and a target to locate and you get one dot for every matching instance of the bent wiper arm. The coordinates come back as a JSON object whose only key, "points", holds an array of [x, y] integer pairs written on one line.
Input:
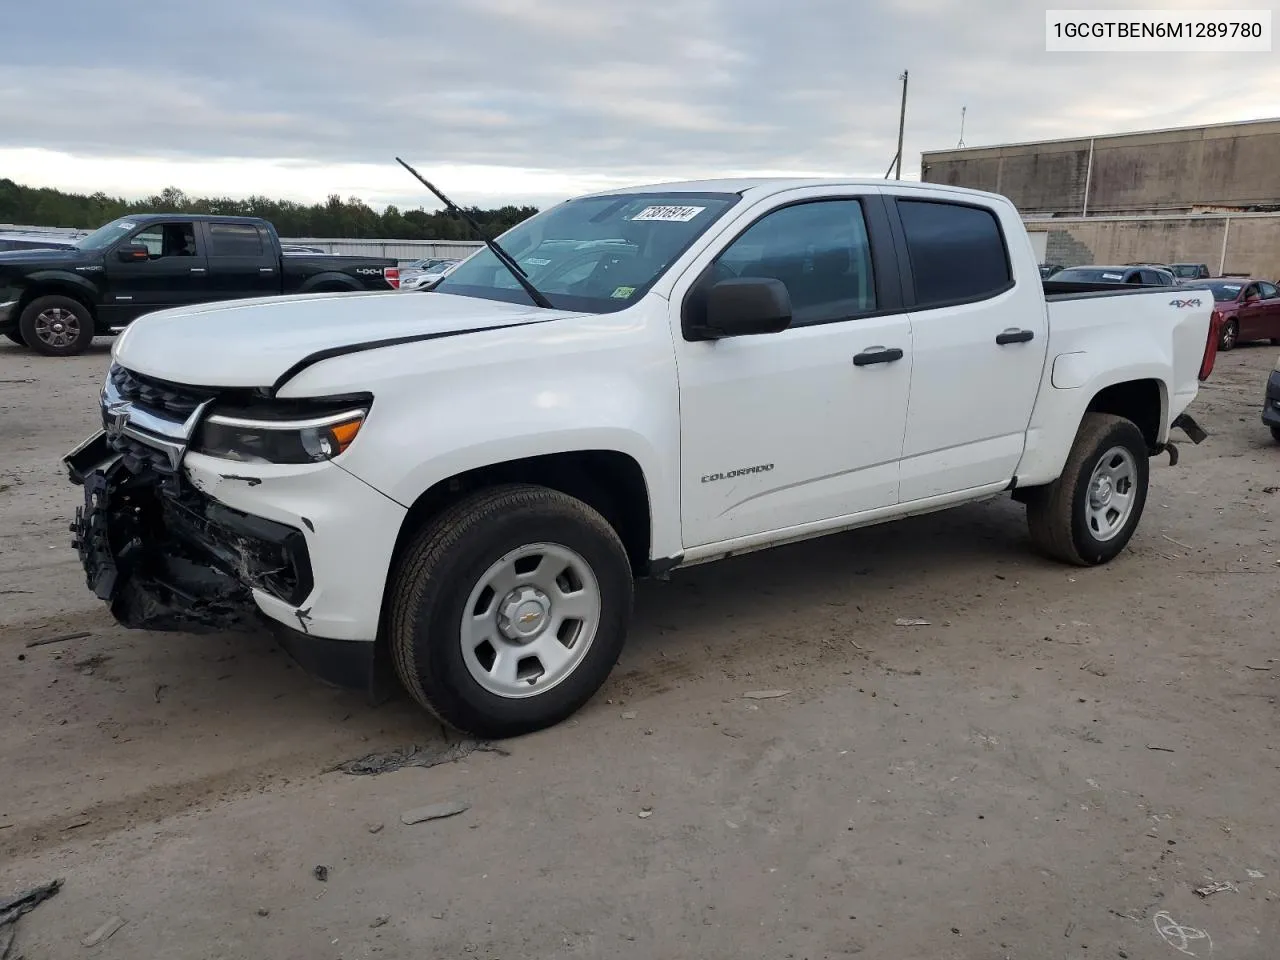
{"points": [[503, 257]]}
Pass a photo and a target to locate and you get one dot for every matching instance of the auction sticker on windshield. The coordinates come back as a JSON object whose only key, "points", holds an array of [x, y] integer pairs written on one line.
{"points": [[669, 214]]}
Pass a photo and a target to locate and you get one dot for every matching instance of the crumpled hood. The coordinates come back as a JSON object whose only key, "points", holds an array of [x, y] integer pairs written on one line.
{"points": [[251, 343]]}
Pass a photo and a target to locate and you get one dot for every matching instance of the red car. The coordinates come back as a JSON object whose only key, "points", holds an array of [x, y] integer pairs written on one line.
{"points": [[1245, 309]]}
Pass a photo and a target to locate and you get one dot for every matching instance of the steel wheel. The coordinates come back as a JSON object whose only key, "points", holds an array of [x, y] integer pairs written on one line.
{"points": [[1111, 493], [57, 328], [530, 620]]}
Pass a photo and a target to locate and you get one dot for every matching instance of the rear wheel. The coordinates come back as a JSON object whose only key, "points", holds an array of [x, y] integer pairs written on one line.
{"points": [[56, 326], [1230, 334], [1088, 515], [1275, 434], [16, 337], [509, 610]]}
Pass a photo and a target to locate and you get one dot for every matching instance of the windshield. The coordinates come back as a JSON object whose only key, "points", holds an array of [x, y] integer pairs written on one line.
{"points": [[1083, 275], [106, 235], [1187, 271], [1221, 291], [596, 254]]}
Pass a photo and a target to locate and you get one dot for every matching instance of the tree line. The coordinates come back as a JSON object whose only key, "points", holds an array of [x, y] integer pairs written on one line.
{"points": [[351, 218]]}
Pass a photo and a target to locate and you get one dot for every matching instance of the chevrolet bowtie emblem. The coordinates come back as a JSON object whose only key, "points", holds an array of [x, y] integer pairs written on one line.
{"points": [[117, 415]]}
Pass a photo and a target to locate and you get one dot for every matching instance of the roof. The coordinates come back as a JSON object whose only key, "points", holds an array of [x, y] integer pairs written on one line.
{"points": [[768, 186], [197, 217]]}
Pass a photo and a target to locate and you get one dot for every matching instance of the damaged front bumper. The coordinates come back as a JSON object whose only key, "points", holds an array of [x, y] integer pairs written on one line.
{"points": [[167, 557]]}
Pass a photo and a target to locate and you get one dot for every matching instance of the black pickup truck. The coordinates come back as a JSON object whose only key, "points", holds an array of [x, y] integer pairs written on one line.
{"points": [[57, 301]]}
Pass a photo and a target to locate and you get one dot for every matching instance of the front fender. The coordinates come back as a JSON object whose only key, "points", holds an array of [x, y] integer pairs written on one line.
{"points": [[41, 282], [444, 407]]}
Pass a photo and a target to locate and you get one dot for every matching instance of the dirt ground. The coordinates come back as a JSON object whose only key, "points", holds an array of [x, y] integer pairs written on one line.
{"points": [[1048, 769]]}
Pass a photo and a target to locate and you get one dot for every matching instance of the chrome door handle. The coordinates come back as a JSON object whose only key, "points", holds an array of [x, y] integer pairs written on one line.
{"points": [[197, 270]]}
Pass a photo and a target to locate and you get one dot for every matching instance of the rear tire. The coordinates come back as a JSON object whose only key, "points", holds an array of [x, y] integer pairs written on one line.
{"points": [[1275, 434], [16, 337], [56, 326], [1088, 515], [1229, 336], [497, 596]]}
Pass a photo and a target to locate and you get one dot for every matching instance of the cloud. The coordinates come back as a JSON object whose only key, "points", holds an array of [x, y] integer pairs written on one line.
{"points": [[520, 100]]}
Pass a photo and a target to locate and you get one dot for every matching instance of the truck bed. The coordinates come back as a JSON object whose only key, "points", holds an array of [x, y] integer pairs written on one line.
{"points": [[1072, 290]]}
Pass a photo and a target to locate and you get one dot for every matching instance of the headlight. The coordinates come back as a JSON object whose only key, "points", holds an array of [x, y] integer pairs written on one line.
{"points": [[280, 439]]}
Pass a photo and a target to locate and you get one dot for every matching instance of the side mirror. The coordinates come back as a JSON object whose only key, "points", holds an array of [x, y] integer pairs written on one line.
{"points": [[744, 307], [132, 252]]}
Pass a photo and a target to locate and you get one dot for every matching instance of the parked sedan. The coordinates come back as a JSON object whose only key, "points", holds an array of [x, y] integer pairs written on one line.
{"points": [[1247, 308], [1129, 273], [428, 276]]}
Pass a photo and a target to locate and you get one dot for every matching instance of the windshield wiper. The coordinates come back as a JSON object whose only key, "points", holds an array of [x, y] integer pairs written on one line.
{"points": [[504, 258]]}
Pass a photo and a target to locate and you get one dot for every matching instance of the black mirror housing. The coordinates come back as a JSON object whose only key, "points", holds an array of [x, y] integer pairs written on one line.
{"points": [[132, 252], [744, 307]]}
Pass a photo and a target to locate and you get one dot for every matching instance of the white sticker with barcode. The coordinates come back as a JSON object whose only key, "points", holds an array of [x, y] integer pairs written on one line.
{"points": [[669, 214], [536, 262]]}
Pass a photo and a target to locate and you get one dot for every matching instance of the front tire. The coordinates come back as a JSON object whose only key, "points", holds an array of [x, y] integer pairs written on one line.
{"points": [[56, 326], [1088, 515], [1230, 335], [1275, 434], [508, 611]]}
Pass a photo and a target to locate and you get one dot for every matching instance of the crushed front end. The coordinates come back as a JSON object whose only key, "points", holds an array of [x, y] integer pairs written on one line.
{"points": [[161, 553]]}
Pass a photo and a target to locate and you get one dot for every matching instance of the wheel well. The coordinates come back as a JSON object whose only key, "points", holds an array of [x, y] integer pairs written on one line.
{"points": [[55, 290], [1141, 401], [611, 482]]}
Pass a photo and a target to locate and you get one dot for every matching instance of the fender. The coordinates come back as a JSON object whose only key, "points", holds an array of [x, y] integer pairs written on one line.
{"points": [[42, 282], [328, 279]]}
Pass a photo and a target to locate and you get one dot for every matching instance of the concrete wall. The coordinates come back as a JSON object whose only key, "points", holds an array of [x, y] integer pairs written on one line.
{"points": [[1252, 241], [1224, 165]]}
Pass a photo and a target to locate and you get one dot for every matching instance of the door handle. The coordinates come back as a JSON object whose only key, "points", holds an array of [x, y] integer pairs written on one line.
{"points": [[197, 269], [1014, 335], [877, 355], [265, 270]]}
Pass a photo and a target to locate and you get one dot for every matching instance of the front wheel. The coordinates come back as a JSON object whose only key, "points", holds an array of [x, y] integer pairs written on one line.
{"points": [[1230, 335], [1088, 515], [508, 611], [56, 326]]}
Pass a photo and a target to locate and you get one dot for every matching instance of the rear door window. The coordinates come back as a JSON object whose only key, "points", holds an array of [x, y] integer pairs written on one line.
{"points": [[234, 240], [957, 252]]}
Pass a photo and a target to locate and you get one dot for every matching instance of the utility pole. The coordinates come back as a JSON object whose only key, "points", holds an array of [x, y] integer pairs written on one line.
{"points": [[902, 122]]}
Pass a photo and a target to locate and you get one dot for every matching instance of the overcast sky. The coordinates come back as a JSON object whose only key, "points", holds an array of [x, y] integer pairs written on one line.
{"points": [[529, 101]]}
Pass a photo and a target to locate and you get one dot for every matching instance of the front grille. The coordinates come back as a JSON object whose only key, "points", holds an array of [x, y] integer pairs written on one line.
{"points": [[152, 394]]}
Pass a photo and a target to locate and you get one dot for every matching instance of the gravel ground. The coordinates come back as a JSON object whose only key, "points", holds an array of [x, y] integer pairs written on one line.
{"points": [[1049, 768]]}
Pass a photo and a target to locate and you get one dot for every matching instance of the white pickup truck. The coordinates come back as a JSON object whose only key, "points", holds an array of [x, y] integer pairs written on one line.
{"points": [[458, 487]]}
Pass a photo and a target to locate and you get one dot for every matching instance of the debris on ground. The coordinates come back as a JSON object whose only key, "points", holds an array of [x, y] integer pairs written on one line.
{"points": [[321, 873], [764, 694], [629, 715], [374, 827], [437, 811], [264, 912], [1255, 874], [61, 638], [1216, 886], [11, 908], [1178, 543], [646, 813], [104, 932], [1161, 749], [380, 921], [910, 622], [414, 756]]}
